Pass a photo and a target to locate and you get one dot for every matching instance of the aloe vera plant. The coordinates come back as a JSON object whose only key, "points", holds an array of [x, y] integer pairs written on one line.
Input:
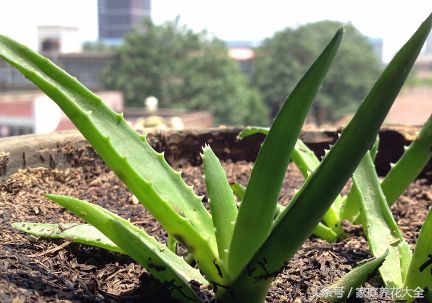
{"points": [[237, 251]]}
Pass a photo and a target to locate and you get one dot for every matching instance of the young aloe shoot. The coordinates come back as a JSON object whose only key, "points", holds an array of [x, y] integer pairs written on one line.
{"points": [[237, 252]]}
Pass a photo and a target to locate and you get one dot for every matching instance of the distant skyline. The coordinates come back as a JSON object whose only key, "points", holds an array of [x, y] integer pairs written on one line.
{"points": [[393, 21]]}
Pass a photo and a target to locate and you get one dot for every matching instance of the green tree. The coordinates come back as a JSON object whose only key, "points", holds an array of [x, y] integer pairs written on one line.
{"points": [[184, 69], [282, 59]]}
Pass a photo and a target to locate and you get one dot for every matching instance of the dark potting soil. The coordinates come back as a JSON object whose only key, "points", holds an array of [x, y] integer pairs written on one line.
{"points": [[42, 270]]}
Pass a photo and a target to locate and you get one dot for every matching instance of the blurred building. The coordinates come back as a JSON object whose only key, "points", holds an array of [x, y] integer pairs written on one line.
{"points": [[58, 39], [117, 17], [62, 46], [87, 67], [33, 112], [243, 52]]}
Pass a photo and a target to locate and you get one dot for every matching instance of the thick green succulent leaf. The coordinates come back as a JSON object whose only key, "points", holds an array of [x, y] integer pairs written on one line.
{"points": [[162, 263], [306, 160], [297, 221], [75, 232], [171, 243], [171, 273], [320, 230], [410, 165], [420, 269], [238, 190], [324, 232], [252, 130], [256, 213], [302, 156], [374, 149], [222, 204], [381, 229], [351, 205], [346, 286], [144, 171]]}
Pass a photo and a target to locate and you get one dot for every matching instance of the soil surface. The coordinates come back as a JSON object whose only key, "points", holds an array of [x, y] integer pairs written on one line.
{"points": [[41, 270]]}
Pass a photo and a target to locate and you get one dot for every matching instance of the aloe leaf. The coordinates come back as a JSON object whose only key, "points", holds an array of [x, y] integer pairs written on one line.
{"points": [[75, 232], [409, 166], [324, 232], [420, 269], [144, 171], [302, 156], [170, 274], [222, 204], [252, 130], [374, 149], [238, 190], [162, 263], [401, 174], [297, 221], [320, 230], [351, 204], [346, 286], [171, 243], [256, 213], [306, 160], [381, 229], [351, 208]]}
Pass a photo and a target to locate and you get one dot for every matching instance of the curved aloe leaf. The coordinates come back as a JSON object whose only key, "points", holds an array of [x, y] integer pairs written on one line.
{"points": [[171, 274], [238, 190], [320, 230], [420, 269], [256, 213], [144, 171], [315, 197], [162, 263], [325, 233], [409, 165], [351, 204], [381, 229], [346, 286], [75, 232], [171, 243], [306, 160], [222, 204]]}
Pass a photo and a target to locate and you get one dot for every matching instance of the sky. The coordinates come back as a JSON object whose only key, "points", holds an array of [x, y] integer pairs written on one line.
{"points": [[393, 21]]}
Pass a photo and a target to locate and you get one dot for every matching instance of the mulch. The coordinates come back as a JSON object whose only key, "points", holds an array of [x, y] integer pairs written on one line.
{"points": [[41, 270]]}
